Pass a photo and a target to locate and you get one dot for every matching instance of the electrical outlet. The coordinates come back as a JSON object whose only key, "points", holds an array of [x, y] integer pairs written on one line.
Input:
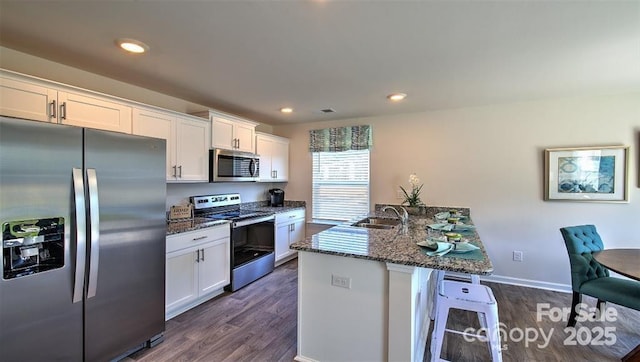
{"points": [[342, 282], [517, 255]]}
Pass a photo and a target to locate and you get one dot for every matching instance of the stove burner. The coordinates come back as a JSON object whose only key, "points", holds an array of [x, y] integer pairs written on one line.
{"points": [[223, 207], [234, 215]]}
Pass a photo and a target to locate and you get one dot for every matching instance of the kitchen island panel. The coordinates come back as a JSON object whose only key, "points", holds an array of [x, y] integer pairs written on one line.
{"points": [[341, 324], [381, 316]]}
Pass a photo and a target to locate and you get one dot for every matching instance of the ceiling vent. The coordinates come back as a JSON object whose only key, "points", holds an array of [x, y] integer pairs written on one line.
{"points": [[328, 110]]}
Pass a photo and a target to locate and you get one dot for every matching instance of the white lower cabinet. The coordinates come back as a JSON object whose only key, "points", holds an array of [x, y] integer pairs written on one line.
{"points": [[290, 228], [198, 267]]}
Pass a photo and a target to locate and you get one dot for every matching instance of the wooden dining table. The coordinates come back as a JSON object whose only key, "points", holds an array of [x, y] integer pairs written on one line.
{"points": [[622, 261], [625, 262]]}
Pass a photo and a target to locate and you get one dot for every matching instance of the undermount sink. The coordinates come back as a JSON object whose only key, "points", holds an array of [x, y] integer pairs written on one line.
{"points": [[377, 223]]}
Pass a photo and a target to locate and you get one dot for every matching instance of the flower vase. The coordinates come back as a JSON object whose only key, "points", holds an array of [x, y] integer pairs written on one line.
{"points": [[416, 210]]}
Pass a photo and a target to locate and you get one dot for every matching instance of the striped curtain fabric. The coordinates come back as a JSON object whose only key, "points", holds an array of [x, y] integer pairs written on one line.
{"points": [[340, 139]]}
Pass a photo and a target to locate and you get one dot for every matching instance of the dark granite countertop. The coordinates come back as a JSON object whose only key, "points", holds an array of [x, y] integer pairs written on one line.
{"points": [[182, 226], [397, 246], [264, 206]]}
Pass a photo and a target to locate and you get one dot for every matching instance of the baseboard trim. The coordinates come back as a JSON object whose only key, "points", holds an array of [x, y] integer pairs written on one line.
{"points": [[564, 288]]}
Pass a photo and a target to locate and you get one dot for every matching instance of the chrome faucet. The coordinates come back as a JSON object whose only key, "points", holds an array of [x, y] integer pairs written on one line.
{"points": [[405, 216]]}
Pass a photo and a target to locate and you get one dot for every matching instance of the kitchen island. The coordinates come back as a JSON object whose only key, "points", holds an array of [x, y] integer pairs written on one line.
{"points": [[365, 294]]}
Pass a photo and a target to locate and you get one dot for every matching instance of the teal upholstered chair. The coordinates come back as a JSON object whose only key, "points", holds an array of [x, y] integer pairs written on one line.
{"points": [[589, 277]]}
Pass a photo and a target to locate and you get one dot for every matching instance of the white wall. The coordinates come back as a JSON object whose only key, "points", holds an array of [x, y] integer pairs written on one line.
{"points": [[491, 160], [178, 194]]}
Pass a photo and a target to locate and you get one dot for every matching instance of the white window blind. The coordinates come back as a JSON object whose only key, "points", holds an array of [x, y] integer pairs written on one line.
{"points": [[340, 185]]}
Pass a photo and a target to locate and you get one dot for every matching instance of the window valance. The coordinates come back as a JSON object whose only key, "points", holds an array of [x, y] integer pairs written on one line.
{"points": [[340, 139]]}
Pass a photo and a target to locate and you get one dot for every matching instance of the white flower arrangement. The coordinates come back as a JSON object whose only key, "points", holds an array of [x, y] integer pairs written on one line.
{"points": [[412, 198]]}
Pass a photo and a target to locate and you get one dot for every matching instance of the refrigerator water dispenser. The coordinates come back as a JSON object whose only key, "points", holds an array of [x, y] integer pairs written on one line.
{"points": [[32, 246]]}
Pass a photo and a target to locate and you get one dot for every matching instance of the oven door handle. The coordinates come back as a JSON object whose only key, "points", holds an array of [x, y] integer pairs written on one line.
{"points": [[254, 220]]}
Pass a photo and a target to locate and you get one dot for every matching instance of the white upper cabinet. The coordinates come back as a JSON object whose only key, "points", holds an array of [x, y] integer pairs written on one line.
{"points": [[222, 133], [158, 125], [274, 157], [83, 110], [230, 132], [23, 97], [187, 142], [26, 100], [192, 149]]}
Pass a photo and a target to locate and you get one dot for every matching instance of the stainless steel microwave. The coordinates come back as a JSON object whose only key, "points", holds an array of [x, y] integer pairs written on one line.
{"points": [[226, 165]]}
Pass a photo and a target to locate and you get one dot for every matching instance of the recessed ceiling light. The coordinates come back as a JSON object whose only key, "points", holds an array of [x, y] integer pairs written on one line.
{"points": [[395, 97], [286, 110], [132, 45]]}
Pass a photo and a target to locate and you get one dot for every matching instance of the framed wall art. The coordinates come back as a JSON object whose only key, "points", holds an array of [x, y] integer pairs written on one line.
{"points": [[587, 174]]}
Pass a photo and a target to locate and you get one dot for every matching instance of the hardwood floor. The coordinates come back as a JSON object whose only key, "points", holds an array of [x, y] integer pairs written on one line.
{"points": [[517, 309], [255, 323], [258, 323]]}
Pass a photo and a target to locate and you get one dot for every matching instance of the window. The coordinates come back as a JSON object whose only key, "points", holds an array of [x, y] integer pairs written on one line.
{"points": [[340, 185]]}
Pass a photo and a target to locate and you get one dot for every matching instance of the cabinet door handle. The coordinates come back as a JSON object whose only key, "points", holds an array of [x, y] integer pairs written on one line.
{"points": [[63, 111], [52, 109], [198, 256], [175, 171], [180, 169], [202, 255], [276, 171], [200, 238]]}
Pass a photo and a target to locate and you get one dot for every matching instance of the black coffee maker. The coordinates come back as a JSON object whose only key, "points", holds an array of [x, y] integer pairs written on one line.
{"points": [[276, 197]]}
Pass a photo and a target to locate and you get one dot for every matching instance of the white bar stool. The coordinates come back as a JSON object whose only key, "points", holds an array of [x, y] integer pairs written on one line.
{"points": [[466, 296], [440, 274]]}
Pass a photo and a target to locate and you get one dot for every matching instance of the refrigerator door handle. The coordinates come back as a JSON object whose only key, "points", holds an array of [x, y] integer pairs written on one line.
{"points": [[94, 216], [81, 235]]}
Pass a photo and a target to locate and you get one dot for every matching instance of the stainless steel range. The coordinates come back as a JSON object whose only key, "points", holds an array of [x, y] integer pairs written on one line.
{"points": [[252, 236]]}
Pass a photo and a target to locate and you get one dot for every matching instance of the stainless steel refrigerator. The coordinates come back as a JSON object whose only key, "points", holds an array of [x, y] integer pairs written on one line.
{"points": [[82, 214]]}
